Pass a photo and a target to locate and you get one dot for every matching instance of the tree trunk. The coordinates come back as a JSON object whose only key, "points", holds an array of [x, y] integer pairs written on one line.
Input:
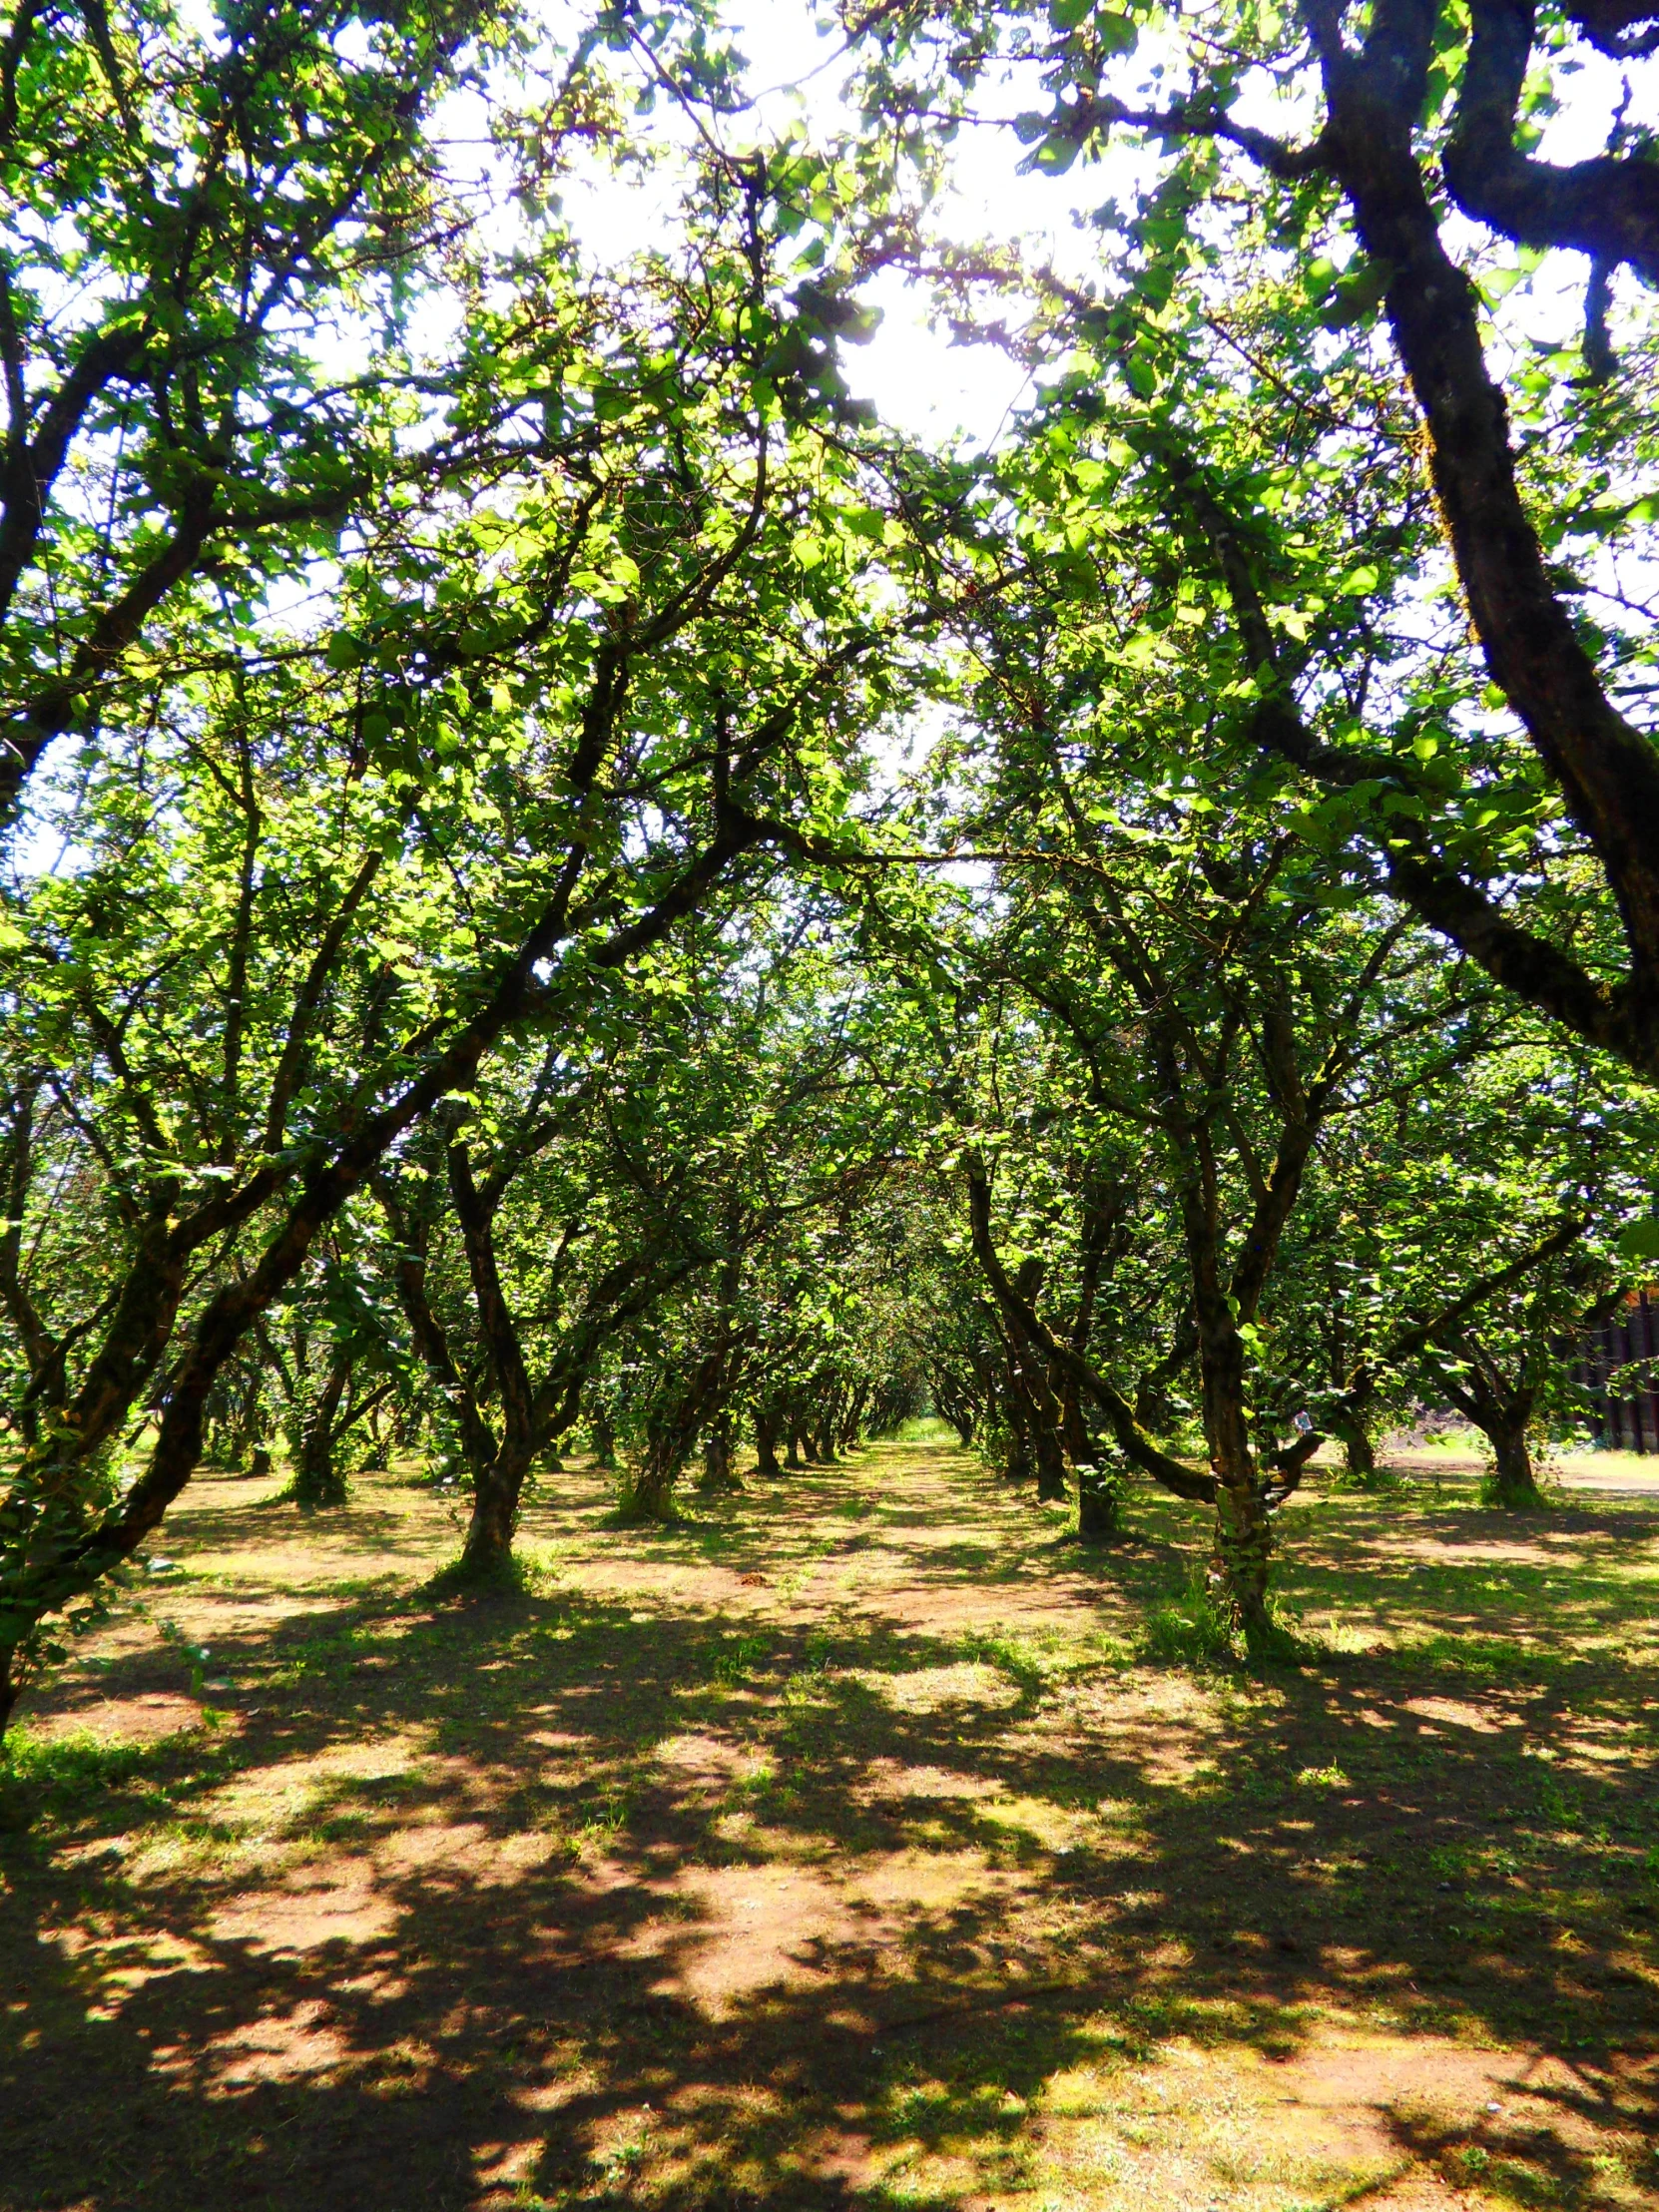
{"points": [[1512, 1486], [793, 1459], [1048, 1429], [1052, 1487], [374, 1443], [852, 1420], [766, 1445], [649, 1495], [1244, 1555], [487, 1554], [11, 1686], [601, 1440], [318, 1480], [717, 1477], [1154, 1407], [1099, 1500], [318, 1484], [1017, 1459], [1244, 1531], [1358, 1453], [250, 1430], [1073, 1434], [1034, 1421]]}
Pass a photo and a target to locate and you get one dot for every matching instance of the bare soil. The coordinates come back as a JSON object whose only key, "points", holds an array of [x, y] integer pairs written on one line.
{"points": [[862, 1842]]}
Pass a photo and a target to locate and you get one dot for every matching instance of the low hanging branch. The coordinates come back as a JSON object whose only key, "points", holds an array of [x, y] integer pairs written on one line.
{"points": [[1172, 1474]]}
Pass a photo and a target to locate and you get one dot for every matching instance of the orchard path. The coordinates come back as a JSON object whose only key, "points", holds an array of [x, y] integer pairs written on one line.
{"points": [[860, 1843]]}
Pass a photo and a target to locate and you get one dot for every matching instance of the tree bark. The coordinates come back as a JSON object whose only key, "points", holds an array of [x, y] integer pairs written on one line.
{"points": [[1073, 1434], [1358, 1453], [1049, 1458], [1017, 1459], [1514, 1485], [1243, 1555], [318, 1482], [1099, 1504], [717, 1476], [649, 1495], [1244, 1532], [766, 1445], [487, 1554]]}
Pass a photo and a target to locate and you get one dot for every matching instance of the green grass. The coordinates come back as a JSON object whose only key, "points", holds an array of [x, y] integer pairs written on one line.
{"points": [[617, 1867]]}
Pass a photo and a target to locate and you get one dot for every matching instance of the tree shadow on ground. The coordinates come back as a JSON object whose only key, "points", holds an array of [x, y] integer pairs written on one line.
{"points": [[590, 1896]]}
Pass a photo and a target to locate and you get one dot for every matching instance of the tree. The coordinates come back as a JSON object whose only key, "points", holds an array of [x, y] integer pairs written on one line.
{"points": [[632, 664], [553, 1266], [748, 1110], [1229, 323], [1469, 1233], [1218, 998], [183, 247]]}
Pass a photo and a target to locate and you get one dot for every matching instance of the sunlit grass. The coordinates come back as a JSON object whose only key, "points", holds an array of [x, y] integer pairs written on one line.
{"points": [[874, 1742]]}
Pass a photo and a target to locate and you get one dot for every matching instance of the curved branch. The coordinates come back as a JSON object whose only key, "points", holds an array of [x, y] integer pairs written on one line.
{"points": [[1135, 1445], [1608, 208], [1620, 1020]]}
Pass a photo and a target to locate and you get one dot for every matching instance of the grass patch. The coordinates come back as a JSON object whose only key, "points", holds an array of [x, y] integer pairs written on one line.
{"points": [[853, 1844], [68, 1770], [1189, 1631]]}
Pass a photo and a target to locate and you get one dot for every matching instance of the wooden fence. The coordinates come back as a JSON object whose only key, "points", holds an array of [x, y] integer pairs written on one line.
{"points": [[1617, 1367]]}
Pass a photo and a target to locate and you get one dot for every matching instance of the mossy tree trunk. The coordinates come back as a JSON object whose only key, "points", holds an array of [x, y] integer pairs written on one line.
{"points": [[1031, 1389], [497, 1494], [1359, 1452], [1243, 1548], [1515, 1483], [1016, 1450]]}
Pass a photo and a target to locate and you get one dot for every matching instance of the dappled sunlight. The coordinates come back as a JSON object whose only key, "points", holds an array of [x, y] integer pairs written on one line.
{"points": [[621, 1889]]}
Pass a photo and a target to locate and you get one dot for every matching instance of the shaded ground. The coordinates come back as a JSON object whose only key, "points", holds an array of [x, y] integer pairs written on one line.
{"points": [[845, 1848]]}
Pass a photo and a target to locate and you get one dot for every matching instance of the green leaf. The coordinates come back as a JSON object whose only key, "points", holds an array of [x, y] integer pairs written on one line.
{"points": [[1055, 154]]}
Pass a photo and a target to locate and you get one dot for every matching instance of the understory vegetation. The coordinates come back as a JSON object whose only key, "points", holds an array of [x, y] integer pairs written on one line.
{"points": [[604, 943]]}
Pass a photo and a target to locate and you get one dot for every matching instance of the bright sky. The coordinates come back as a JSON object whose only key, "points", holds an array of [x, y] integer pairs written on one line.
{"points": [[918, 379], [920, 382]]}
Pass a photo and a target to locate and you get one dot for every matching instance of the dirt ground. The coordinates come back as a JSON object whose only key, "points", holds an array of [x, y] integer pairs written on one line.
{"points": [[860, 1843]]}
